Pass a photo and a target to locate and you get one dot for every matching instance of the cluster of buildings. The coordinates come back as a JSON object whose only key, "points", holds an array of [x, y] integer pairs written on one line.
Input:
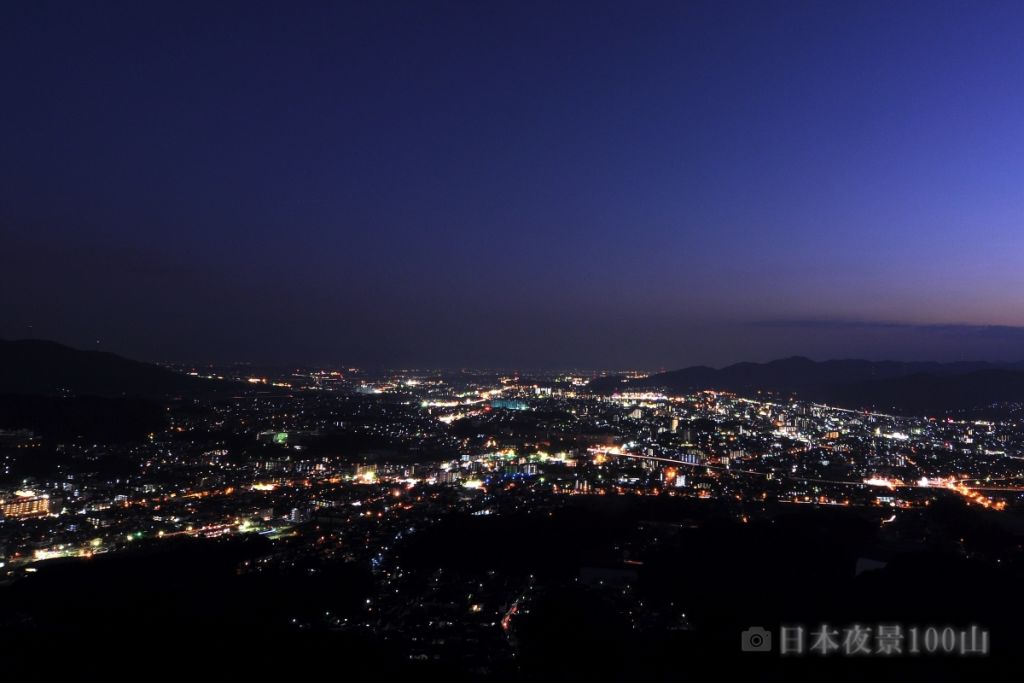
{"points": [[347, 466]]}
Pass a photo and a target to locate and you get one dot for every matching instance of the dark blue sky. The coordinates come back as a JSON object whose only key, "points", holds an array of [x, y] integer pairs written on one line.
{"points": [[515, 184]]}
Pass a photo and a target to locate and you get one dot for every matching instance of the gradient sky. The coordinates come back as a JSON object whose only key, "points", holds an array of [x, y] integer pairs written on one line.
{"points": [[514, 184]]}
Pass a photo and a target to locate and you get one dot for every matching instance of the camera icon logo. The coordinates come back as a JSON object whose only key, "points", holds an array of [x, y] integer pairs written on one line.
{"points": [[756, 639]]}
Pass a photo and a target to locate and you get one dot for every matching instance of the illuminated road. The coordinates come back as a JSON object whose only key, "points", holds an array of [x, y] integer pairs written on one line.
{"points": [[957, 486]]}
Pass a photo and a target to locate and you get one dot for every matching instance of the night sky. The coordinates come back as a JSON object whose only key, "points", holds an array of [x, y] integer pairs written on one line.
{"points": [[514, 184]]}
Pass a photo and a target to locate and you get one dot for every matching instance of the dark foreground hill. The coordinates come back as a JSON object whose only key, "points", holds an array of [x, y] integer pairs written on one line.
{"points": [[36, 367], [884, 385]]}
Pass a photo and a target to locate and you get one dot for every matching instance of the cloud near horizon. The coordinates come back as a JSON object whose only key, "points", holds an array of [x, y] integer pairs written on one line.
{"points": [[839, 323], [897, 339]]}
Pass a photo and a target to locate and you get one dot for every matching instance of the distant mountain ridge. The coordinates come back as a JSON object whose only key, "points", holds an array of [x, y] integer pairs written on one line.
{"points": [[38, 367], [920, 387]]}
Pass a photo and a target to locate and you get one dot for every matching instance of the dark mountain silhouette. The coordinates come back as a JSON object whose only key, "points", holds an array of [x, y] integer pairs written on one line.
{"points": [[933, 394], [96, 418], [923, 387], [37, 367]]}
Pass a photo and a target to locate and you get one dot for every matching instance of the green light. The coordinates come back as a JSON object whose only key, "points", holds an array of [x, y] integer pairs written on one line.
{"points": [[281, 437]]}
